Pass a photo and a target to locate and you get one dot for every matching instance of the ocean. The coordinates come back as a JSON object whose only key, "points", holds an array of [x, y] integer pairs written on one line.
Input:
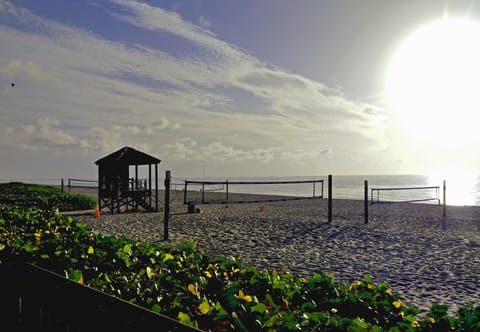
{"points": [[461, 190]]}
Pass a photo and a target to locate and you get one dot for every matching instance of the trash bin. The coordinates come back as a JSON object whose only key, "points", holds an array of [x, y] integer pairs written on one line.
{"points": [[191, 207]]}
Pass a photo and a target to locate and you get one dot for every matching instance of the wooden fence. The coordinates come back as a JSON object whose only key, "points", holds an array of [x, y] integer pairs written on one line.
{"points": [[34, 299]]}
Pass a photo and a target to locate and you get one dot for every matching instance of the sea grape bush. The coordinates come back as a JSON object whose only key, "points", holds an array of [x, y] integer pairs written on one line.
{"points": [[213, 294], [44, 197]]}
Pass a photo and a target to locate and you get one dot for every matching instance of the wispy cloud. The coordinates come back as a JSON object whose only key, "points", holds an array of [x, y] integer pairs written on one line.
{"points": [[105, 93]]}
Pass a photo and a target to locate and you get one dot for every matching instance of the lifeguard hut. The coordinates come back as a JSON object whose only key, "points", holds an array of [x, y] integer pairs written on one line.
{"points": [[118, 190]]}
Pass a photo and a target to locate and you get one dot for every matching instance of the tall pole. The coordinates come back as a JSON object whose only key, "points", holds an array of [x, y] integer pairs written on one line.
{"points": [[366, 201], [330, 196], [166, 214]]}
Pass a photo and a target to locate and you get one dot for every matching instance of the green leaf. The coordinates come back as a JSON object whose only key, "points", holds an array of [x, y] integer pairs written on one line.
{"points": [[185, 319], [259, 307], [75, 275], [168, 257], [360, 323], [29, 248], [271, 321], [156, 308], [127, 249]]}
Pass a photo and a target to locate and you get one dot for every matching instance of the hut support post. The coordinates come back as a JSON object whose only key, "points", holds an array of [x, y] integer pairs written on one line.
{"points": [[150, 185], [136, 177], [166, 214], [156, 187], [99, 200]]}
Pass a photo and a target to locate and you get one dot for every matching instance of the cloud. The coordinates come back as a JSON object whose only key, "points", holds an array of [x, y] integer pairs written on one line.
{"points": [[286, 94], [189, 149], [43, 134], [11, 69], [97, 94]]}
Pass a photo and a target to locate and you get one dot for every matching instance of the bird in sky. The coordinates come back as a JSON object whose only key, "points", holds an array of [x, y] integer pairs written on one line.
{"points": [[12, 84]]}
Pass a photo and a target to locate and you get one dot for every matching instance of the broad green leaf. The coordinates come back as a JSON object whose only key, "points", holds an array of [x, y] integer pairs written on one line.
{"points": [[156, 308], [185, 318], [127, 249], [28, 247], [168, 257], [259, 307], [360, 323], [75, 275], [271, 321]]}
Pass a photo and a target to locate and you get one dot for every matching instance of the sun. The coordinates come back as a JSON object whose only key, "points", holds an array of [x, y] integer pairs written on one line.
{"points": [[433, 83]]}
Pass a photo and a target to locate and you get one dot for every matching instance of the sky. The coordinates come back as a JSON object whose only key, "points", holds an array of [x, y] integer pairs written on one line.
{"points": [[221, 88]]}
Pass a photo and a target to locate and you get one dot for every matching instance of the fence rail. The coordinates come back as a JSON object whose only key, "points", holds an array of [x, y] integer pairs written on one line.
{"points": [[35, 299], [80, 183]]}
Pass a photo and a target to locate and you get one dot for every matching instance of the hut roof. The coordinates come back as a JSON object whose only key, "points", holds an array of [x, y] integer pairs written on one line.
{"points": [[128, 156]]}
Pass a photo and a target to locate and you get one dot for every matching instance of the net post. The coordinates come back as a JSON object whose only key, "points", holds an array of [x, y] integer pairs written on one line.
{"points": [[366, 201], [62, 185], [185, 192], [330, 195], [166, 214], [226, 185], [444, 198]]}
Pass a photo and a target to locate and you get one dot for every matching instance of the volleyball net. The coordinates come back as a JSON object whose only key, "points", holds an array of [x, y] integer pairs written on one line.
{"points": [[405, 195], [238, 192]]}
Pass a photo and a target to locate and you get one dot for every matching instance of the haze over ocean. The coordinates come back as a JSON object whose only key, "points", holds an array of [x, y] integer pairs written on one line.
{"points": [[461, 189]]}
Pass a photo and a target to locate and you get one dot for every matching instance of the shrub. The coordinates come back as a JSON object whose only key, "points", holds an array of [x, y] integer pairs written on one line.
{"points": [[43, 197]]}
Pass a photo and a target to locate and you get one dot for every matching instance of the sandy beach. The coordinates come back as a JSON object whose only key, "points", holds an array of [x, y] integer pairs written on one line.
{"points": [[424, 257]]}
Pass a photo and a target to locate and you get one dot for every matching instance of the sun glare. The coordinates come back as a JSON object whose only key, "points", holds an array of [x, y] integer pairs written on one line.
{"points": [[433, 83]]}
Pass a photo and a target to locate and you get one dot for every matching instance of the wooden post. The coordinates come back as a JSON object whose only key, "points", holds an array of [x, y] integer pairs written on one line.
{"points": [[166, 214], [150, 185], [226, 184], [185, 192], [136, 177], [366, 201], [156, 187], [330, 196], [444, 198]]}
